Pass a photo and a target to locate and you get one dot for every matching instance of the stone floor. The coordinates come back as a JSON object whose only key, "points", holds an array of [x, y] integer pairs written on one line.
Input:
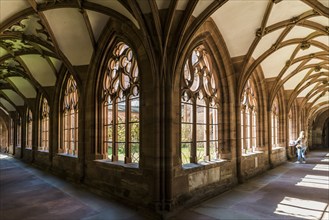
{"points": [[27, 193], [291, 191]]}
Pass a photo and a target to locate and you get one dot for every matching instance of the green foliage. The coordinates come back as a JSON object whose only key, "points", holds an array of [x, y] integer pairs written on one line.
{"points": [[121, 138]]}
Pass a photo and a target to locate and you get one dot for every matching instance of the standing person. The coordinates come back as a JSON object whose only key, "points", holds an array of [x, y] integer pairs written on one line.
{"points": [[301, 147]]}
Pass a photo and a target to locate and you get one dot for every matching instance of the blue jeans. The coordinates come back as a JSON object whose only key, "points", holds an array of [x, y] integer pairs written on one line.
{"points": [[301, 154]]}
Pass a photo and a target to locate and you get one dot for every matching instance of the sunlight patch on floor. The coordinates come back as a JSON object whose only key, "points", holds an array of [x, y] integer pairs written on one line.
{"points": [[2, 156], [322, 167], [320, 182], [325, 160], [299, 208]]}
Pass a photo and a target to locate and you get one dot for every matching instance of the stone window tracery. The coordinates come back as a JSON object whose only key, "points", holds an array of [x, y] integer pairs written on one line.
{"points": [[248, 119], [199, 109], [29, 129], [70, 118], [121, 109], [44, 132]]}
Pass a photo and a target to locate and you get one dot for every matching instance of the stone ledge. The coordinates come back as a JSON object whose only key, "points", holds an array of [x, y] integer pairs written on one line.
{"points": [[67, 155], [43, 151], [118, 163], [203, 165], [253, 153], [278, 148]]}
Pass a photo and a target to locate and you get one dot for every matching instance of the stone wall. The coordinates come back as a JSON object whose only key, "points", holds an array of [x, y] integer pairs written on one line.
{"points": [[120, 181], [195, 182], [253, 164], [278, 156], [42, 160]]}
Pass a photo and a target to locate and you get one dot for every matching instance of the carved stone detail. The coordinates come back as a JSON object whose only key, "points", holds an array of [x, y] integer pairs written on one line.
{"points": [[10, 67], [305, 45], [16, 45], [31, 26], [317, 68]]}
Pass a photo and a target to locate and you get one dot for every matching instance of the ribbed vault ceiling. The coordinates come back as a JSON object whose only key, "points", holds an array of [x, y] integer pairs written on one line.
{"points": [[287, 39]]}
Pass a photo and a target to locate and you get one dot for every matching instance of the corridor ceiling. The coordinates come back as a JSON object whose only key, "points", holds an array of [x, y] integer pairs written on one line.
{"points": [[288, 39]]}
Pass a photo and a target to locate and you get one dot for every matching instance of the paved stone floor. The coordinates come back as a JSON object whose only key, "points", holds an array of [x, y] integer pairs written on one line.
{"points": [[27, 193], [291, 191]]}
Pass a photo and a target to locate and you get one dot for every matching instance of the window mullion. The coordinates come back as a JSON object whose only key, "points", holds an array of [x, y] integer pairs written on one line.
{"points": [[127, 132], [193, 158], [207, 157], [245, 146], [68, 141], [115, 131], [76, 131], [105, 125], [250, 129]]}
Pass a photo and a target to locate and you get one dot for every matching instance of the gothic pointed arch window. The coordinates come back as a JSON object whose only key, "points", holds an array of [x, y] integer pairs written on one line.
{"points": [[120, 106], [44, 126], [248, 119], [199, 109], [70, 113], [275, 123], [29, 120]]}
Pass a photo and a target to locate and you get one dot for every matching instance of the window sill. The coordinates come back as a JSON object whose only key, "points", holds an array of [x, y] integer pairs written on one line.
{"points": [[201, 165], [252, 153], [118, 163], [67, 155], [277, 148]]}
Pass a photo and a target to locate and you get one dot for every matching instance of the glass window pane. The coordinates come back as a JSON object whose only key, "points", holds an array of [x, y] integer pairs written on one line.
{"points": [[134, 132], [134, 152], [186, 132], [121, 151], [201, 132], [201, 115], [185, 152], [186, 113], [134, 109], [213, 132], [108, 133], [121, 132], [201, 151], [214, 150], [109, 114], [121, 117], [213, 116], [109, 147]]}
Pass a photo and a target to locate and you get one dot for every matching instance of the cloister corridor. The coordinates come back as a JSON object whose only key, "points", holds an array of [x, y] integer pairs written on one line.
{"points": [[290, 191]]}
